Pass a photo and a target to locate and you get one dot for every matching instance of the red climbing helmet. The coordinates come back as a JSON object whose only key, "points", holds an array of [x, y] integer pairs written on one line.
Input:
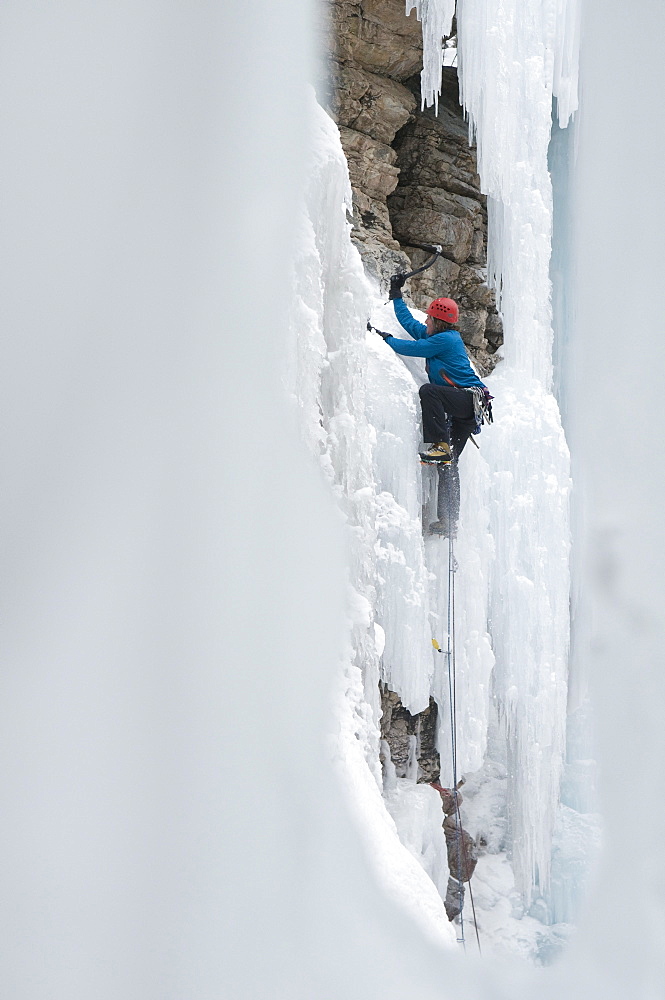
{"points": [[444, 309]]}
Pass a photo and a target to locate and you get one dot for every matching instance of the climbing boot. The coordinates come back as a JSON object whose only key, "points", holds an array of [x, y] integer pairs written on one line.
{"points": [[439, 453]]}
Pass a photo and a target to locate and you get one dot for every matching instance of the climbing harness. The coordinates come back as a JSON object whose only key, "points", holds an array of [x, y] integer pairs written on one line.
{"points": [[482, 402], [482, 407]]}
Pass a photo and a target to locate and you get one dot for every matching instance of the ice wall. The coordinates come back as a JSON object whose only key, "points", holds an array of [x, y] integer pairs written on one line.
{"points": [[510, 68], [171, 825], [437, 18], [173, 600], [513, 59], [355, 407], [358, 407], [514, 540]]}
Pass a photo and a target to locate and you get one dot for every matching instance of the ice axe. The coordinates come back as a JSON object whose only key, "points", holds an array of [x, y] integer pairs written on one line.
{"points": [[435, 249]]}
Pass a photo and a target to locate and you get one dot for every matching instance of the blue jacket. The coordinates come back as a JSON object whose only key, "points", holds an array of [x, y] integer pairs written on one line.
{"points": [[445, 352]]}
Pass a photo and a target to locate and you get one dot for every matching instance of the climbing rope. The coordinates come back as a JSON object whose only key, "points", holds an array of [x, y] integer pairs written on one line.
{"points": [[452, 693], [475, 922], [452, 699]]}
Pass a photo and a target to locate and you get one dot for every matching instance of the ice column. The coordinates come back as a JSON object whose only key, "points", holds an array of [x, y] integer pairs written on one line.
{"points": [[437, 18], [515, 57], [511, 57], [355, 407], [357, 410]]}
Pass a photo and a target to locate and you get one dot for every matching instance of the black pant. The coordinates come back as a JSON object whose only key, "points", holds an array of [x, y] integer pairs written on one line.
{"points": [[447, 416]]}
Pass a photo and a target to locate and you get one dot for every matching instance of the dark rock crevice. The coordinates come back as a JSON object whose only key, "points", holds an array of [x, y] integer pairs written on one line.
{"points": [[410, 739]]}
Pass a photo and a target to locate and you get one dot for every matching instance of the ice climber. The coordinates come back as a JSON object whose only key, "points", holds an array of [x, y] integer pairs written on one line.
{"points": [[461, 849], [451, 402]]}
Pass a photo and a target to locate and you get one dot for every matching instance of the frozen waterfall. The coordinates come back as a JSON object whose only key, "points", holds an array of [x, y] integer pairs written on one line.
{"points": [[180, 613], [513, 61], [360, 413]]}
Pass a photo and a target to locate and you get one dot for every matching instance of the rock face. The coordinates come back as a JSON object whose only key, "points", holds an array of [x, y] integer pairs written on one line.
{"points": [[375, 48], [410, 738], [438, 200], [413, 174]]}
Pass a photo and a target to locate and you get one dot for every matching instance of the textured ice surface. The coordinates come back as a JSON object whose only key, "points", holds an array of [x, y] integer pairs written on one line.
{"points": [[360, 416], [403, 857], [356, 405], [437, 18], [360, 405], [513, 58], [157, 618]]}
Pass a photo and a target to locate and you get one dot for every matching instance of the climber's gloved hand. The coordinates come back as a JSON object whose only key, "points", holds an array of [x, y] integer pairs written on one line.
{"points": [[396, 283], [381, 334]]}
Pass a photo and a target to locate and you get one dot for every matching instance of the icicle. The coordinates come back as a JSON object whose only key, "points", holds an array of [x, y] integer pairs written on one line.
{"points": [[566, 60], [436, 17], [514, 58]]}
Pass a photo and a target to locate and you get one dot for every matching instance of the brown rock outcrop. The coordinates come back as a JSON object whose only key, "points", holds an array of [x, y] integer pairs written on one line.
{"points": [[374, 47], [413, 174], [410, 736], [438, 200], [377, 35]]}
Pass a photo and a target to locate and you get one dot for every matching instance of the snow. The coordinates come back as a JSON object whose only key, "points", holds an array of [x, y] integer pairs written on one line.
{"points": [[416, 811], [173, 602], [359, 411], [177, 618], [395, 860], [512, 582], [361, 426], [512, 60]]}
